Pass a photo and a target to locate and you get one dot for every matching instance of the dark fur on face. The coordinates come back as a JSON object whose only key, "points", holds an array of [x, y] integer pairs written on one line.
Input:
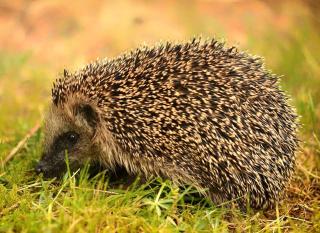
{"points": [[69, 131]]}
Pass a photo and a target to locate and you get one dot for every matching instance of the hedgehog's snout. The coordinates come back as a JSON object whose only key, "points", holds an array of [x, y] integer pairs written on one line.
{"points": [[50, 167], [49, 171], [41, 167]]}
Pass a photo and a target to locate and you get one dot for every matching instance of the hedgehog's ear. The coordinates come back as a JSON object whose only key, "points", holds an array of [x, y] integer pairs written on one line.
{"points": [[87, 113]]}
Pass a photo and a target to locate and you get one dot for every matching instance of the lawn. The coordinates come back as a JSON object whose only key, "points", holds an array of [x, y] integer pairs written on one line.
{"points": [[70, 38]]}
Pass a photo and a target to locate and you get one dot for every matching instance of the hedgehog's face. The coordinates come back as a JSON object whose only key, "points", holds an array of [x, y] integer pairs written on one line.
{"points": [[69, 131]]}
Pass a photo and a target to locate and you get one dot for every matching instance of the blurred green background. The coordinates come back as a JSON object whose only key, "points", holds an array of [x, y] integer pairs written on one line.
{"points": [[38, 39]]}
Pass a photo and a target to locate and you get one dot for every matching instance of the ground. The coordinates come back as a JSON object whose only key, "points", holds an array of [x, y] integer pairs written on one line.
{"points": [[38, 39]]}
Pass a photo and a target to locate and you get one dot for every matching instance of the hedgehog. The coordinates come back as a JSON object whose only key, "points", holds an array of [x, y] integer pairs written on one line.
{"points": [[198, 113]]}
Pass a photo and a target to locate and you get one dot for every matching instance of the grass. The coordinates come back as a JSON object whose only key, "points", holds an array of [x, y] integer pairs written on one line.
{"points": [[82, 204]]}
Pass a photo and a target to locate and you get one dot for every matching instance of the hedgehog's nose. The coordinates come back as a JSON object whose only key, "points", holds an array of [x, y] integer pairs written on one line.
{"points": [[39, 168]]}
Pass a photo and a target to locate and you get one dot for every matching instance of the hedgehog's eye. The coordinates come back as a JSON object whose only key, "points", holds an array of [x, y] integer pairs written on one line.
{"points": [[72, 137]]}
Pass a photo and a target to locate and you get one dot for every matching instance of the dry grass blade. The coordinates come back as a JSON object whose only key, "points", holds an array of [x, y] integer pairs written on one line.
{"points": [[21, 143], [7, 210]]}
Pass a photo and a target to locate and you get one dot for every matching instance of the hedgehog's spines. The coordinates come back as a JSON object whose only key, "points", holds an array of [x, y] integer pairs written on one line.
{"points": [[65, 73]]}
